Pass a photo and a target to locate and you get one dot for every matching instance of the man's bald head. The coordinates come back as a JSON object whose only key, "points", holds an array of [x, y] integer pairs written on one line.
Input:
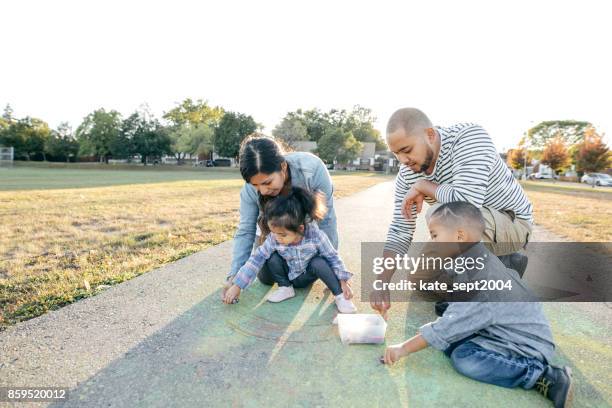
{"points": [[408, 119]]}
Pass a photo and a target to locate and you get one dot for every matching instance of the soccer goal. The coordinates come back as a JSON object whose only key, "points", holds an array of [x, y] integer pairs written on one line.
{"points": [[6, 156]]}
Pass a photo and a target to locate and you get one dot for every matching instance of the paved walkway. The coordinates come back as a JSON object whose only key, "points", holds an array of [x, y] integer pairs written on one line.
{"points": [[164, 339]]}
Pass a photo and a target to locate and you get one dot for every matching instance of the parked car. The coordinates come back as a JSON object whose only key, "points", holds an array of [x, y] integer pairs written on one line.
{"points": [[598, 179], [222, 162], [540, 176]]}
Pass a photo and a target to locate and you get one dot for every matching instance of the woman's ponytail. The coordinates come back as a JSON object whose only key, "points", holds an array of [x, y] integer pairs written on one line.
{"points": [[313, 204], [297, 208]]}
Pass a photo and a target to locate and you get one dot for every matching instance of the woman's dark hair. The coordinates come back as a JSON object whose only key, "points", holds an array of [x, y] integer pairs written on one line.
{"points": [[297, 208], [263, 154], [260, 154]]}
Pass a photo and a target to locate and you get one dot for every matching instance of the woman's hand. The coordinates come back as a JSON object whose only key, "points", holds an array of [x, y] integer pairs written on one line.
{"points": [[231, 294], [346, 289]]}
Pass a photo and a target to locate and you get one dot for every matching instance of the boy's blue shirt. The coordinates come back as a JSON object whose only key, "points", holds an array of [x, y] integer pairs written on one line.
{"points": [[307, 171], [509, 327]]}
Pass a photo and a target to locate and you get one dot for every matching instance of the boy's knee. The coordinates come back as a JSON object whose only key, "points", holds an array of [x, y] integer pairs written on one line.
{"points": [[466, 362]]}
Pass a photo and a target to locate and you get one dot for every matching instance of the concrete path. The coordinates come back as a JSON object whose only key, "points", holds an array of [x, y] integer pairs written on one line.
{"points": [[164, 339]]}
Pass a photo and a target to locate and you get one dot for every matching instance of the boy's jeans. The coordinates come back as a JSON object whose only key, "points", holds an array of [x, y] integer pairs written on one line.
{"points": [[480, 364]]}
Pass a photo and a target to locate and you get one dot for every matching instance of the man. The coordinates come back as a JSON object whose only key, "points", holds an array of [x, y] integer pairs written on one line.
{"points": [[441, 165]]}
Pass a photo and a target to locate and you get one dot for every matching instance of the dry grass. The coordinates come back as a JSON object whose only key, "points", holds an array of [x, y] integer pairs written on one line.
{"points": [[580, 215], [57, 246]]}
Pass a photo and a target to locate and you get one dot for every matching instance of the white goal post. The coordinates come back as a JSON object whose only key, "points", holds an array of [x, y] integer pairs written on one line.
{"points": [[6, 156]]}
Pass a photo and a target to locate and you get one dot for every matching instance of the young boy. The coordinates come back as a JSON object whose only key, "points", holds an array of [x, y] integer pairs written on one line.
{"points": [[506, 343]]}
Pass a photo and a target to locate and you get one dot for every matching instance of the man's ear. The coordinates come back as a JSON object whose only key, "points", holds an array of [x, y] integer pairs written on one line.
{"points": [[431, 134], [301, 229]]}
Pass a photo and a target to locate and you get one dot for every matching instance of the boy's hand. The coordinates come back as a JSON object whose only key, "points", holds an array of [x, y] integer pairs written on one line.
{"points": [[346, 289], [394, 353], [231, 294]]}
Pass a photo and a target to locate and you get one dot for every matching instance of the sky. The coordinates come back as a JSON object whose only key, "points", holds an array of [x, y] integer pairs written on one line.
{"points": [[504, 65]]}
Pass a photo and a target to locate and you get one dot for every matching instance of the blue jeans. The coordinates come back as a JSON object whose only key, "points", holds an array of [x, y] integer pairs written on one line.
{"points": [[480, 364]]}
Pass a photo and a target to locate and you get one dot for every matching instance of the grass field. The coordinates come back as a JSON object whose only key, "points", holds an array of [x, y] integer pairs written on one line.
{"points": [[577, 212], [67, 233]]}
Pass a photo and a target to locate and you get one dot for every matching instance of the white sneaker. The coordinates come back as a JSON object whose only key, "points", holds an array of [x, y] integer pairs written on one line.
{"points": [[345, 305], [282, 293]]}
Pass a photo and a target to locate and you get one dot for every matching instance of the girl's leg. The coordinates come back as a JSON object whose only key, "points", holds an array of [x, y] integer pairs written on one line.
{"points": [[274, 270], [318, 268], [490, 367]]}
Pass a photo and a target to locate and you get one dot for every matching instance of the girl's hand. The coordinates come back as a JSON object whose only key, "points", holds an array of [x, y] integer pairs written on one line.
{"points": [[394, 353], [226, 285], [232, 293], [346, 289]]}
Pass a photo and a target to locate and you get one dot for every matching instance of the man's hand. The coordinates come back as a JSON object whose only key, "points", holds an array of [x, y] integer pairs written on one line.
{"points": [[380, 300], [413, 197], [231, 294], [346, 289]]}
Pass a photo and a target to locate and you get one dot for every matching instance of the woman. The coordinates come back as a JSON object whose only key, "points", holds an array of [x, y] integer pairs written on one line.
{"points": [[269, 172]]}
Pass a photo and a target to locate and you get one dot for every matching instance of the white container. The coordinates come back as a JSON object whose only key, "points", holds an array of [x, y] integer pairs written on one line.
{"points": [[362, 328]]}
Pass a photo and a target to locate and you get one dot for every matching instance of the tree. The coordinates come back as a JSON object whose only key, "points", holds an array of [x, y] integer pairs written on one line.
{"points": [[555, 154], [6, 119], [27, 136], [193, 140], [516, 158], [592, 154], [359, 121], [291, 130], [232, 129], [338, 145], [62, 145], [571, 131], [142, 134], [152, 141], [98, 133], [194, 113]]}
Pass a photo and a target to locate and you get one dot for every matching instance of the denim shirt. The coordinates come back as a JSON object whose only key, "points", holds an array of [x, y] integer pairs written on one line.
{"points": [[506, 327], [308, 172]]}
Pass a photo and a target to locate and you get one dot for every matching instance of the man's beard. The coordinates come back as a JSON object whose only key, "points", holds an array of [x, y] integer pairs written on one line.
{"points": [[428, 160]]}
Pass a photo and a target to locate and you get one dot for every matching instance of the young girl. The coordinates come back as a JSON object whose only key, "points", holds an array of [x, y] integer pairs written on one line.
{"points": [[306, 250]]}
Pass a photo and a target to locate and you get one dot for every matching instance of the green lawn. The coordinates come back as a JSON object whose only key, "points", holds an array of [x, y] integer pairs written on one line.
{"points": [[37, 178]]}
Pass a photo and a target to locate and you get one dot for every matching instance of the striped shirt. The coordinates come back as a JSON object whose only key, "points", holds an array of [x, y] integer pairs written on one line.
{"points": [[298, 256], [469, 169]]}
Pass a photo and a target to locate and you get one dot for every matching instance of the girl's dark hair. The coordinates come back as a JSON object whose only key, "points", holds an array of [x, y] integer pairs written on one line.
{"points": [[260, 154], [297, 208]]}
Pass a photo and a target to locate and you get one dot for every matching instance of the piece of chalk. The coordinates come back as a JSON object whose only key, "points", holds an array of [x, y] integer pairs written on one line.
{"points": [[381, 359]]}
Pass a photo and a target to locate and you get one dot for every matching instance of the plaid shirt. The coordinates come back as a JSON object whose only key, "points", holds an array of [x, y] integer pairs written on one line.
{"points": [[297, 256]]}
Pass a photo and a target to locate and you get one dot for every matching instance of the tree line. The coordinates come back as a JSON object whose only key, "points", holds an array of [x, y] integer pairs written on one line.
{"points": [[561, 144], [190, 128]]}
